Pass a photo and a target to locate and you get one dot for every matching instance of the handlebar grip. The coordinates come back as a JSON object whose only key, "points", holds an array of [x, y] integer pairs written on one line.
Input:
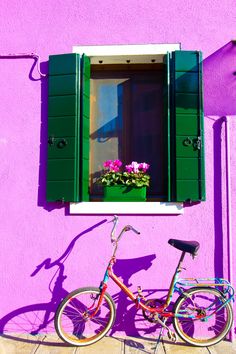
{"points": [[136, 231], [129, 227]]}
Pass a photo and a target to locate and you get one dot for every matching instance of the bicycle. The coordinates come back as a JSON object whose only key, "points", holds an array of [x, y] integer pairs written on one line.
{"points": [[202, 314]]}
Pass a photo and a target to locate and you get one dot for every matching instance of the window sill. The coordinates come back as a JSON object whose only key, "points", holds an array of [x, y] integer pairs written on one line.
{"points": [[142, 208]]}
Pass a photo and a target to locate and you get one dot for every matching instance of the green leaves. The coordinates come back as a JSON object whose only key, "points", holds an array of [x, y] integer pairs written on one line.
{"points": [[131, 179]]}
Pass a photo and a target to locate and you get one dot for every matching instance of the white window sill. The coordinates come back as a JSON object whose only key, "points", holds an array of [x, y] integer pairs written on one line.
{"points": [[142, 208]]}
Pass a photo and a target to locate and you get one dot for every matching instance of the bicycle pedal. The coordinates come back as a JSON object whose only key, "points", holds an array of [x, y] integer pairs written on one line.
{"points": [[172, 336]]}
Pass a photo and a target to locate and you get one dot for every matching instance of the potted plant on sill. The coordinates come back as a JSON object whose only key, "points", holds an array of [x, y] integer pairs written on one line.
{"points": [[128, 184]]}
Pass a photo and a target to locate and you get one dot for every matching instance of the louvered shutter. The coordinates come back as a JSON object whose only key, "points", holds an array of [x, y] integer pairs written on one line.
{"points": [[186, 138], [66, 108]]}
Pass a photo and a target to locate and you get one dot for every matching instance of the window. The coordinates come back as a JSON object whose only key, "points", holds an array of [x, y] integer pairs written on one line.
{"points": [[172, 81], [126, 121]]}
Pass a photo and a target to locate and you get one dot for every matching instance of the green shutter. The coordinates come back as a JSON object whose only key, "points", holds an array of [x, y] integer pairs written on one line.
{"points": [[85, 108], [187, 138], [63, 168]]}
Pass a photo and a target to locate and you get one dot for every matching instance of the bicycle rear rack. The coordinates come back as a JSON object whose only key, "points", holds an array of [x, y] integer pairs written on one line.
{"points": [[220, 284]]}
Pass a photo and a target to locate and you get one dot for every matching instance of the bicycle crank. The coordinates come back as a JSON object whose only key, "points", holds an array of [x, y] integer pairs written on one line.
{"points": [[152, 317]]}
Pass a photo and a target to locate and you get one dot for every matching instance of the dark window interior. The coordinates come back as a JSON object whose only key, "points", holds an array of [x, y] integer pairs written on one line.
{"points": [[127, 121]]}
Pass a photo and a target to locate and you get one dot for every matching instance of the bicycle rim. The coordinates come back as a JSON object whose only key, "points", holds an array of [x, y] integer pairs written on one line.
{"points": [[73, 323], [208, 330]]}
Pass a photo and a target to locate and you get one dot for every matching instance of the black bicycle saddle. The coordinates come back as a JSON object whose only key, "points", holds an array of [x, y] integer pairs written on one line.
{"points": [[186, 246]]}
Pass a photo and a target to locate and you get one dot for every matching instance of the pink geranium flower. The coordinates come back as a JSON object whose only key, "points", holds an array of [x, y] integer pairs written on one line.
{"points": [[133, 167], [107, 163], [129, 168], [144, 166], [113, 166], [136, 167]]}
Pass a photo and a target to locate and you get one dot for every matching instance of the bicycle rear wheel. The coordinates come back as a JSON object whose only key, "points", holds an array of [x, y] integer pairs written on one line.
{"points": [[207, 330], [72, 320]]}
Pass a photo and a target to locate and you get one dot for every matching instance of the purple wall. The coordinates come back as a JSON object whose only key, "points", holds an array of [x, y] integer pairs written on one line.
{"points": [[32, 231]]}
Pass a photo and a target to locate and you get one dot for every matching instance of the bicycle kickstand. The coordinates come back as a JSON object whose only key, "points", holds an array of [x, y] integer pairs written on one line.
{"points": [[160, 336], [158, 341]]}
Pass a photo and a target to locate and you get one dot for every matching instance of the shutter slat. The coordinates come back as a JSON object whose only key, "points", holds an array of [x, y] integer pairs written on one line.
{"points": [[63, 128], [62, 105], [56, 173], [63, 64], [62, 85], [186, 103], [187, 124], [65, 187]]}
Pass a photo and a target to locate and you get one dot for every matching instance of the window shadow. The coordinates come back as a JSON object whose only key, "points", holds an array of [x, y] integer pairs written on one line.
{"points": [[33, 76], [218, 223], [219, 81], [219, 98]]}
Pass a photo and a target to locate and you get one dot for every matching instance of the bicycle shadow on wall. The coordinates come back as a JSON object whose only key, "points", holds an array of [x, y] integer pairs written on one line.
{"points": [[32, 323]]}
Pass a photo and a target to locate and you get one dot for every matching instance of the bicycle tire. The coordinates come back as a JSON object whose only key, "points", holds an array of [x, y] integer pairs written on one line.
{"points": [[202, 300], [72, 323]]}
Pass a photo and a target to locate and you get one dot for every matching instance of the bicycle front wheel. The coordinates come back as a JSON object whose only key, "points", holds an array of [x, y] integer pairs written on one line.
{"points": [[73, 321], [215, 322]]}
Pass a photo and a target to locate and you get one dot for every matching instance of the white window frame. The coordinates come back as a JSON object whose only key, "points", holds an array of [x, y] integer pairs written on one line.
{"points": [[120, 54]]}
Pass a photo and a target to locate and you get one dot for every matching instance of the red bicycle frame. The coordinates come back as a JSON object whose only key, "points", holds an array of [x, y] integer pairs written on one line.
{"points": [[137, 299]]}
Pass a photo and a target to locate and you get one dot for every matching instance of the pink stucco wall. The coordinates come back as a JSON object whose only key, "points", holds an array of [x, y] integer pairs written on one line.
{"points": [[30, 230]]}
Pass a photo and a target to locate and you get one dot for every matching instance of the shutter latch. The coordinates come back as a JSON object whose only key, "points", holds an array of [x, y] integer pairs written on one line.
{"points": [[51, 140], [197, 143]]}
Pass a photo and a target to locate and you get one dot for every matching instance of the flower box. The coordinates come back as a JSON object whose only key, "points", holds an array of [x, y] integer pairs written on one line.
{"points": [[122, 193]]}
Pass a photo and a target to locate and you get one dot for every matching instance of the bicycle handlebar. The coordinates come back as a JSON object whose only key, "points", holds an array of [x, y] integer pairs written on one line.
{"points": [[126, 228]]}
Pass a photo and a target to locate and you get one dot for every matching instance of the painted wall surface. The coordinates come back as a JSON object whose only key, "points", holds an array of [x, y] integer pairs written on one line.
{"points": [[39, 239]]}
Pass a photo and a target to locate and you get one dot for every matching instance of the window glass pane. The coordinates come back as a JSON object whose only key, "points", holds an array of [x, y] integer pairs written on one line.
{"points": [[127, 123], [147, 128], [107, 115]]}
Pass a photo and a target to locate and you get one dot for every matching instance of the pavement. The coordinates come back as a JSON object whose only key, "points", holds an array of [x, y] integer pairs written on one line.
{"points": [[51, 344]]}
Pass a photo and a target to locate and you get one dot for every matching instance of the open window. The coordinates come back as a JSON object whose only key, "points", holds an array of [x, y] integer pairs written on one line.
{"points": [[127, 122], [146, 108]]}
